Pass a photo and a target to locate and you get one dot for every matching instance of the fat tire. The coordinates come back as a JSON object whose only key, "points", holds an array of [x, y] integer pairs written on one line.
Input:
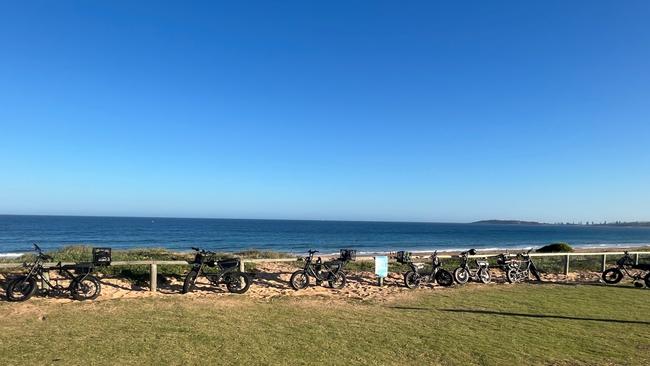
{"points": [[188, 284], [484, 279], [511, 275], [242, 277], [459, 277], [299, 286], [412, 279], [535, 273], [78, 295], [340, 283], [615, 271], [444, 278], [11, 288], [646, 279]]}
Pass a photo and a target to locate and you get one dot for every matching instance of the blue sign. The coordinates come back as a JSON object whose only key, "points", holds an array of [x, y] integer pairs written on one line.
{"points": [[381, 266]]}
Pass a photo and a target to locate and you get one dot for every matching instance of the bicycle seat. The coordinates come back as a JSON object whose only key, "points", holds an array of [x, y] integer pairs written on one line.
{"points": [[228, 263], [77, 266], [334, 263], [334, 266]]}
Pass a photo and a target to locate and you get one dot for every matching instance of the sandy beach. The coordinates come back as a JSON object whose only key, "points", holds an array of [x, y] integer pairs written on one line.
{"points": [[271, 281]]}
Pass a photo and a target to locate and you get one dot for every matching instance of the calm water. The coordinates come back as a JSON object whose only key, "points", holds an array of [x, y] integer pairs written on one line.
{"points": [[18, 232]]}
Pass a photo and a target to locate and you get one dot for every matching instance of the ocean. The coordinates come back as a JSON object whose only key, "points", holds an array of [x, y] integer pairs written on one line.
{"points": [[295, 236]]}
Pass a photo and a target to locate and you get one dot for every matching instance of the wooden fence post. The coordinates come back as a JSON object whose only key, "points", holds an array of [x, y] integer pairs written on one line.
{"points": [[46, 276], [636, 258], [154, 277], [242, 266], [604, 265], [566, 264]]}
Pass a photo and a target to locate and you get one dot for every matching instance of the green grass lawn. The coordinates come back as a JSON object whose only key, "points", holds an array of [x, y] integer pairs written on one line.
{"points": [[483, 325]]}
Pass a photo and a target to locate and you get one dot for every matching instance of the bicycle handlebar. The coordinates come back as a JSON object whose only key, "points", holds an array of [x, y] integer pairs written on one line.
{"points": [[203, 251], [41, 254]]}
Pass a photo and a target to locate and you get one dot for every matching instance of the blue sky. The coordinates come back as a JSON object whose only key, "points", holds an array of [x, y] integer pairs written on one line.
{"points": [[363, 110]]}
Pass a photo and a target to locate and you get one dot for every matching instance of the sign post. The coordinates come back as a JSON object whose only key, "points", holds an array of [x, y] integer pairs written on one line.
{"points": [[381, 268]]}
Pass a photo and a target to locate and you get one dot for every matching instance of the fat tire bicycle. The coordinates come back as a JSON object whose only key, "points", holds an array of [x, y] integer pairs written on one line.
{"points": [[624, 267], [518, 269], [465, 273], [415, 277], [225, 271], [83, 285], [330, 272]]}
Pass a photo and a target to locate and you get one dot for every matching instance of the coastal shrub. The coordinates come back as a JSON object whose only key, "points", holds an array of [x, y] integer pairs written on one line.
{"points": [[361, 266], [262, 254], [549, 264], [555, 248]]}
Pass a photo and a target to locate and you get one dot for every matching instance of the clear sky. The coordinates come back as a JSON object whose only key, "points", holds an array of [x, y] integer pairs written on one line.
{"points": [[355, 110]]}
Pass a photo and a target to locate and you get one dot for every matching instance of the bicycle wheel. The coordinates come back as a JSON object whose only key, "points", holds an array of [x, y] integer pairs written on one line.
{"points": [[237, 282], [299, 280], [21, 289], [612, 276], [535, 272], [484, 275], [461, 275], [87, 288], [512, 276], [337, 280], [647, 280], [411, 279], [190, 281], [444, 278]]}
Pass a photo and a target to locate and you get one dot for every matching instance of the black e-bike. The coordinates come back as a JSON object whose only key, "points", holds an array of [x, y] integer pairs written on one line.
{"points": [[330, 272], [217, 271], [82, 284], [626, 266], [415, 277]]}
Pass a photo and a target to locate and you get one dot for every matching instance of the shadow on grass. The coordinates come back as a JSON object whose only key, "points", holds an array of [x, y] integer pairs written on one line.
{"points": [[621, 286], [544, 316], [522, 315]]}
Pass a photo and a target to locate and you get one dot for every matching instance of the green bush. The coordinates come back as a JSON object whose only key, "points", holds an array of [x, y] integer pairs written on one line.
{"points": [[262, 254], [555, 248]]}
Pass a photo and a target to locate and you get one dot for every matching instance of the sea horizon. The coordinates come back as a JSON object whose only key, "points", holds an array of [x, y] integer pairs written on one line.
{"points": [[17, 232]]}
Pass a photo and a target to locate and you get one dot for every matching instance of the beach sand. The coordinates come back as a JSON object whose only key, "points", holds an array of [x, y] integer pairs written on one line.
{"points": [[271, 281]]}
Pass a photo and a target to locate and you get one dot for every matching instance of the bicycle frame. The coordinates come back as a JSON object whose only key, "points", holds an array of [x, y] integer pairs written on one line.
{"points": [[208, 259], [37, 271], [523, 266], [316, 269], [427, 276], [464, 263], [626, 264]]}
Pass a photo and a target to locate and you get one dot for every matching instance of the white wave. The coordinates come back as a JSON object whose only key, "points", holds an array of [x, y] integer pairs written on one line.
{"points": [[11, 255]]}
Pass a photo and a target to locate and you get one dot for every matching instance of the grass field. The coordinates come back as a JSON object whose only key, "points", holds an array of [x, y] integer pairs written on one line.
{"points": [[482, 325]]}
